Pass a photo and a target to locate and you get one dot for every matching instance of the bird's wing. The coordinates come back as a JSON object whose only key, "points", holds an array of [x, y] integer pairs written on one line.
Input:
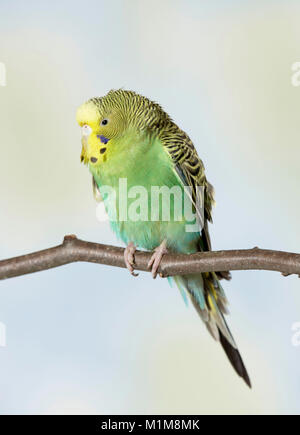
{"points": [[96, 191], [190, 170]]}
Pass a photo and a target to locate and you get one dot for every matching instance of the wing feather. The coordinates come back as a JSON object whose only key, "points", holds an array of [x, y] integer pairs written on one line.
{"points": [[96, 191], [190, 170]]}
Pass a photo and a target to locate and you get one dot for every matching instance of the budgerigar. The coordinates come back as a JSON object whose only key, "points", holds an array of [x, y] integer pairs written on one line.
{"points": [[125, 136]]}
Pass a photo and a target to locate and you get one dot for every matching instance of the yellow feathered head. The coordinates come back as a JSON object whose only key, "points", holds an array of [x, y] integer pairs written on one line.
{"points": [[105, 120]]}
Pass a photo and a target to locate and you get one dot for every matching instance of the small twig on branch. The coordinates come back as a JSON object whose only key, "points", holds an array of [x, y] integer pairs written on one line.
{"points": [[73, 249]]}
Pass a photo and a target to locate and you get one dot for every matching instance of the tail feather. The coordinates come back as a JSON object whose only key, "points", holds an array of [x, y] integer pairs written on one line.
{"points": [[209, 300], [235, 359]]}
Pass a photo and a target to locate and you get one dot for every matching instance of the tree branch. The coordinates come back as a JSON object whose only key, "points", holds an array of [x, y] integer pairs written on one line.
{"points": [[73, 249]]}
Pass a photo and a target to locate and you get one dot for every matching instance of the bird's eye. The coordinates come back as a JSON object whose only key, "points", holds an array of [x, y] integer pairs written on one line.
{"points": [[104, 121], [86, 130]]}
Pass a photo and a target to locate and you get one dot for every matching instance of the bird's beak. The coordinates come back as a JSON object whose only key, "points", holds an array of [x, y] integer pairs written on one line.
{"points": [[83, 156], [93, 149], [86, 131]]}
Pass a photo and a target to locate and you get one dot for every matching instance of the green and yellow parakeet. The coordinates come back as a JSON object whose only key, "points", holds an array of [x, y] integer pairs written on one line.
{"points": [[125, 136]]}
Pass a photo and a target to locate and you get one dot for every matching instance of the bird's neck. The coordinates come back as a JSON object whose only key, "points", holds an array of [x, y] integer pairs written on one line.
{"points": [[133, 156]]}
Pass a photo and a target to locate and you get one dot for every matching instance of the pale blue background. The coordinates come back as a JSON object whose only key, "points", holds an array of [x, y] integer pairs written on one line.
{"points": [[91, 339]]}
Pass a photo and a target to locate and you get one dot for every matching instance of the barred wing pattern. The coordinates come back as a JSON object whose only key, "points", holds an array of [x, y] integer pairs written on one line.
{"points": [[190, 169]]}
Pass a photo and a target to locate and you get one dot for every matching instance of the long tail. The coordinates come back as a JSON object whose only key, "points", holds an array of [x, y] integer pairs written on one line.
{"points": [[208, 297]]}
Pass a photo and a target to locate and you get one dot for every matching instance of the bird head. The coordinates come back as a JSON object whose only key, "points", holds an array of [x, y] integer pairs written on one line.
{"points": [[111, 124], [101, 124]]}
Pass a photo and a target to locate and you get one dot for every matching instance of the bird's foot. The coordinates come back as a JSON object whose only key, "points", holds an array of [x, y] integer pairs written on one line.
{"points": [[155, 260], [129, 257]]}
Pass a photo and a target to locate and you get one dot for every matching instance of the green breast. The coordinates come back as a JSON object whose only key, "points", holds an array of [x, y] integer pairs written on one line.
{"points": [[134, 184]]}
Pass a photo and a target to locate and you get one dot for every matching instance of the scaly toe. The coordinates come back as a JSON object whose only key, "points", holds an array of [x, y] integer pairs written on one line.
{"points": [[151, 261], [156, 258], [129, 258]]}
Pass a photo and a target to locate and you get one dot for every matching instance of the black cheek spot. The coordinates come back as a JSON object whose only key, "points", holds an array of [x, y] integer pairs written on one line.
{"points": [[102, 150], [94, 159]]}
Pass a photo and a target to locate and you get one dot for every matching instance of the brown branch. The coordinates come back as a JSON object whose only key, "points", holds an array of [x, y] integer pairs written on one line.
{"points": [[73, 249]]}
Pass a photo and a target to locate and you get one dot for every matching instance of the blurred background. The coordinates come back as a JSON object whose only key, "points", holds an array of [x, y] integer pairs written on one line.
{"points": [[87, 338]]}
